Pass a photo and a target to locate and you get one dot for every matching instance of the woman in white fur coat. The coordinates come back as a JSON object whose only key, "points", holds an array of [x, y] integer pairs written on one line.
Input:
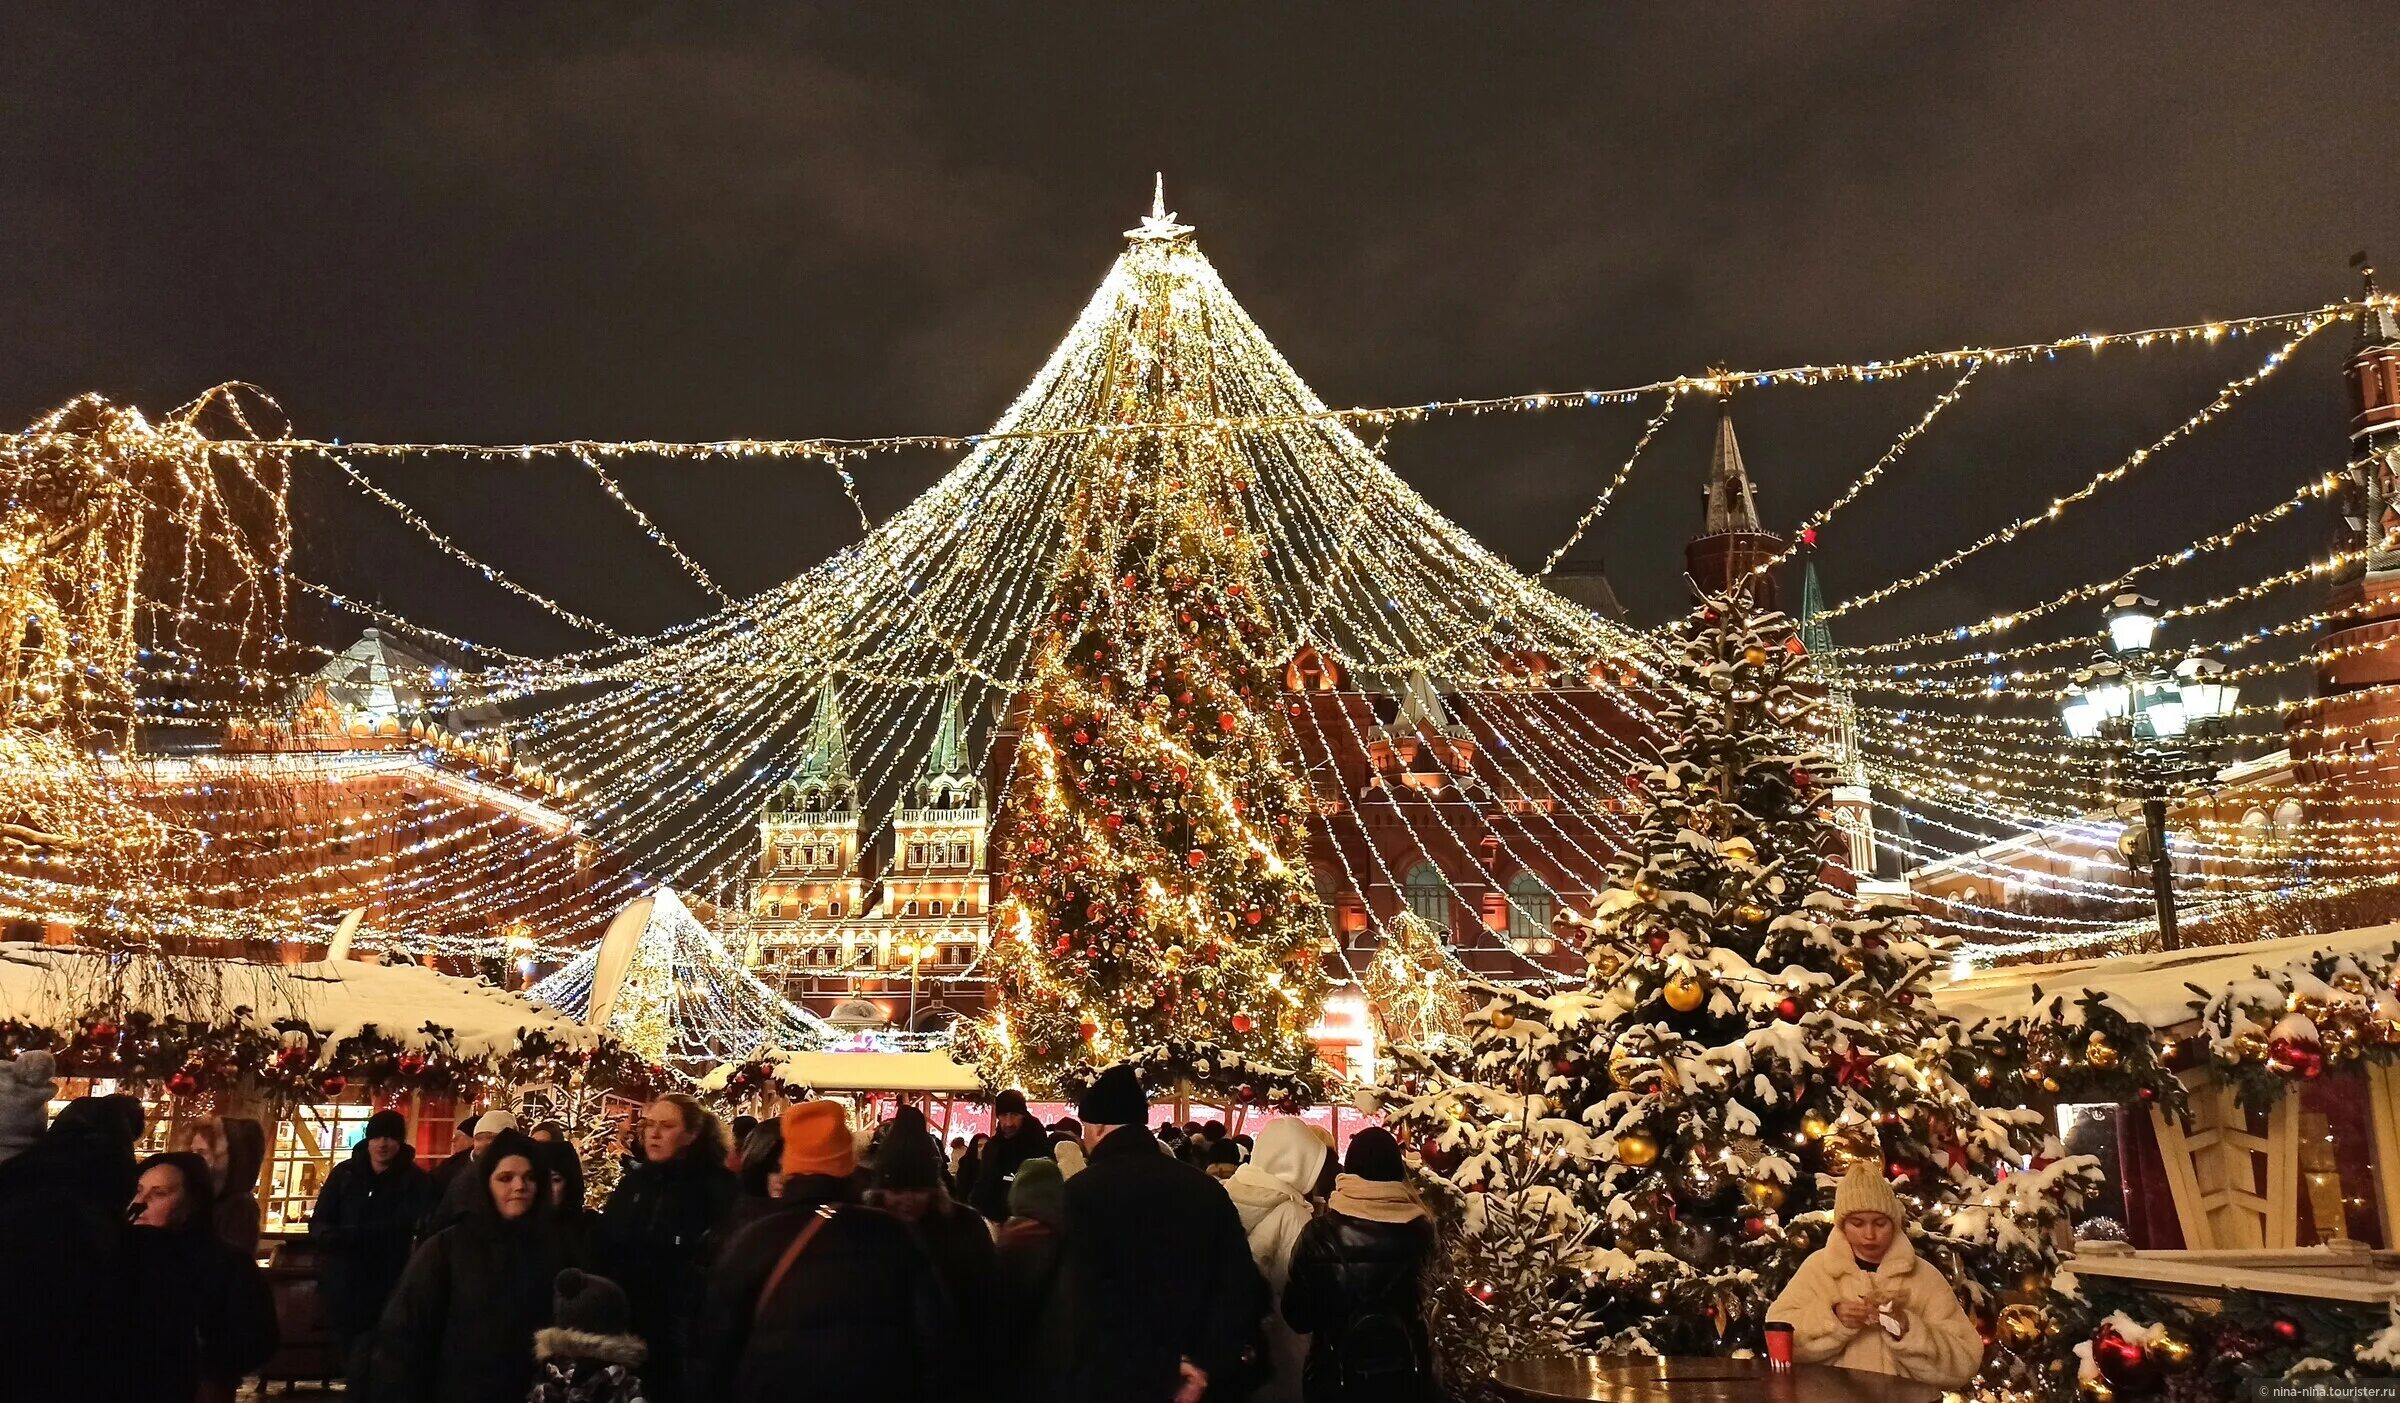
{"points": [[1271, 1192], [1865, 1300]]}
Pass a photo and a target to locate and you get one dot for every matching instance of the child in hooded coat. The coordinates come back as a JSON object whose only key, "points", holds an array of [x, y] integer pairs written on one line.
{"points": [[588, 1353]]}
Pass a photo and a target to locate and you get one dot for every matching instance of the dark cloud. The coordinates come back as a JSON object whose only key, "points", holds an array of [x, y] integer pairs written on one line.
{"points": [[620, 220]]}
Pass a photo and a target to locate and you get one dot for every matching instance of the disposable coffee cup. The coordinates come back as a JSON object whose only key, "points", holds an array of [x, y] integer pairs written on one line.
{"points": [[1779, 1345]]}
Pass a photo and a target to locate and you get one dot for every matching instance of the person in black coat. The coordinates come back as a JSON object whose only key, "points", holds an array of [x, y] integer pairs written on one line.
{"points": [[1016, 1138], [62, 1205], [1027, 1319], [908, 1185], [577, 1224], [460, 1326], [661, 1224], [207, 1316], [859, 1313], [364, 1223], [1357, 1287], [1165, 1297]]}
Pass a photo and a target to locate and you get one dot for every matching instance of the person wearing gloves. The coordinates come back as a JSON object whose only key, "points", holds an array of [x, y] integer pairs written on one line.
{"points": [[1272, 1193], [1865, 1300], [26, 1086]]}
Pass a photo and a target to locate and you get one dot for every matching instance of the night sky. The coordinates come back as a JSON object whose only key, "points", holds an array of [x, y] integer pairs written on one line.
{"points": [[518, 222]]}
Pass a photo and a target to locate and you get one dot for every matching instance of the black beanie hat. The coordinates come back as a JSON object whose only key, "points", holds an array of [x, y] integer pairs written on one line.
{"points": [[1374, 1154], [909, 1158], [386, 1124], [1115, 1099], [1009, 1102], [591, 1304]]}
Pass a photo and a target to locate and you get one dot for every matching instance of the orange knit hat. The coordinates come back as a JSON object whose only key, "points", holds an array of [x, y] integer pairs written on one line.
{"points": [[816, 1140]]}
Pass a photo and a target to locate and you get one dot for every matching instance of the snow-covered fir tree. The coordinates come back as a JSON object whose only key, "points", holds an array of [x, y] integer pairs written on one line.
{"points": [[1642, 1161]]}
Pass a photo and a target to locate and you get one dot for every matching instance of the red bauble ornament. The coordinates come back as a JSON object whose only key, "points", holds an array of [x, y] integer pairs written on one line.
{"points": [[2296, 1058], [1226, 721], [103, 1031], [1907, 1171], [1114, 822], [1802, 779], [411, 1063], [1038, 846], [1183, 699], [2121, 1361], [2286, 1330], [1082, 737], [1788, 1009], [1808, 535], [1089, 1028], [1196, 858], [183, 1084], [1254, 915], [333, 1085], [1755, 1227], [1242, 1023], [1062, 945], [1128, 582]]}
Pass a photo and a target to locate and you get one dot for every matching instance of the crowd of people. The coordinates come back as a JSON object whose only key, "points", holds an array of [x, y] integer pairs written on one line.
{"points": [[1093, 1260]]}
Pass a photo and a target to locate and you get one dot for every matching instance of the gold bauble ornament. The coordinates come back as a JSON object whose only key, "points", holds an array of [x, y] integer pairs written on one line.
{"points": [[2049, 1083], [2100, 1052], [2173, 1352], [1503, 1020], [1686, 991], [1764, 1195], [1646, 889], [1846, 1149], [1755, 656], [2096, 1390], [1813, 1124], [1750, 913], [1604, 964], [1636, 1150], [2020, 1325]]}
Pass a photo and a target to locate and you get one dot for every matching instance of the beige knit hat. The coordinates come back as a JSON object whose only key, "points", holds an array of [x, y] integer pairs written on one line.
{"points": [[1865, 1190]]}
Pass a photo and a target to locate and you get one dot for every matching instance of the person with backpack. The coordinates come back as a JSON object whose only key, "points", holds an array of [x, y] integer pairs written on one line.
{"points": [[1026, 1316], [827, 1299], [1357, 1285]]}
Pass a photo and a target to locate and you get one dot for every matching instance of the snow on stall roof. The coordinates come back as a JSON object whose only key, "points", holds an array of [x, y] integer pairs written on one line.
{"points": [[865, 1071], [2154, 988], [54, 987]]}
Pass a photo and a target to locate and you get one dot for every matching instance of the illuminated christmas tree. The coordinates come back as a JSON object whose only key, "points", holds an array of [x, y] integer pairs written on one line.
{"points": [[1674, 1127], [1160, 907]]}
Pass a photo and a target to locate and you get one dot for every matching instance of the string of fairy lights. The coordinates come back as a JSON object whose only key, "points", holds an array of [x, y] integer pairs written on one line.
{"points": [[666, 748]]}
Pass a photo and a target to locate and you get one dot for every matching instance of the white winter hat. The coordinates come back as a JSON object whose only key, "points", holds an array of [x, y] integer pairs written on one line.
{"points": [[1865, 1190], [493, 1122], [26, 1086]]}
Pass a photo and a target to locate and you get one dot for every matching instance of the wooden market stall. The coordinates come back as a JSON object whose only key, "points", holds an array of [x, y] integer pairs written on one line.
{"points": [[2245, 1098], [308, 1050]]}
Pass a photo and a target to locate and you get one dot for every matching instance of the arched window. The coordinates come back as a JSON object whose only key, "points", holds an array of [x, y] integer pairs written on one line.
{"points": [[1530, 906], [2254, 830], [2287, 819], [1428, 895]]}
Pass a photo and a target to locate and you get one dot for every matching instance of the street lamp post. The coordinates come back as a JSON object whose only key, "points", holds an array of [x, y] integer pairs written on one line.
{"points": [[2156, 723]]}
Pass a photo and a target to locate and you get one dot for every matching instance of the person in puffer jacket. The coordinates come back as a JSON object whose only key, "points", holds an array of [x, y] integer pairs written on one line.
{"points": [[1272, 1193], [589, 1353], [1865, 1300], [1357, 1286]]}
